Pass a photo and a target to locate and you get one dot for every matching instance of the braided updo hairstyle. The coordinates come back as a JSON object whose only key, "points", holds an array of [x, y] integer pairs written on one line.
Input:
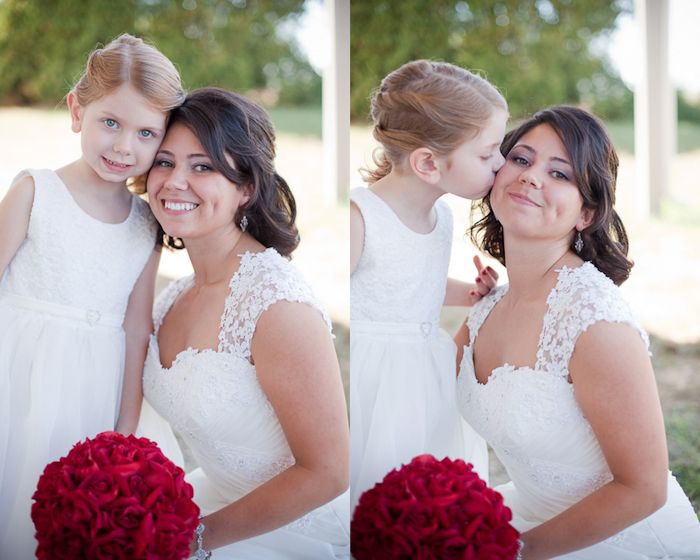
{"points": [[428, 104], [129, 60]]}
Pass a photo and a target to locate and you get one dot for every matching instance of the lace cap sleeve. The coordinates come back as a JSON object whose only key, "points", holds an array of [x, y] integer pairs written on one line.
{"points": [[166, 298], [481, 309], [262, 279], [582, 297]]}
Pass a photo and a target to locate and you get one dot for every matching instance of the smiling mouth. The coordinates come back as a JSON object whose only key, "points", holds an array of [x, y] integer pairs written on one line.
{"points": [[116, 163], [179, 206], [522, 199]]}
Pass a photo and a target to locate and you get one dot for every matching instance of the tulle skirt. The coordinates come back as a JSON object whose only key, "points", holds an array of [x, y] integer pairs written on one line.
{"points": [[323, 534], [60, 382], [403, 402], [670, 533]]}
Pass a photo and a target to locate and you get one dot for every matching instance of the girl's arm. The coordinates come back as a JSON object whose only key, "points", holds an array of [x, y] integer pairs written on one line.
{"points": [[615, 387], [461, 340], [138, 326], [15, 209], [298, 369], [357, 236], [463, 294]]}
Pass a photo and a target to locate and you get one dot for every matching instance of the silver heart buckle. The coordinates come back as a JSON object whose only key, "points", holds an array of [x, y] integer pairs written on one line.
{"points": [[426, 327], [92, 316]]}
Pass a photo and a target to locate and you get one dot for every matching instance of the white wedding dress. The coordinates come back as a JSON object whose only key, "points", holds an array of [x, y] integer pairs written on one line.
{"points": [[402, 364], [62, 303], [531, 418], [214, 401]]}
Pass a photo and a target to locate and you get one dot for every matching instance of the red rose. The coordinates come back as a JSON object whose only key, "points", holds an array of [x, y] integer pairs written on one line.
{"points": [[114, 497], [432, 509]]}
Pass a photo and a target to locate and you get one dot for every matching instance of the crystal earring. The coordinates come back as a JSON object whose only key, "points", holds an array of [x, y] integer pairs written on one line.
{"points": [[578, 243], [244, 223]]}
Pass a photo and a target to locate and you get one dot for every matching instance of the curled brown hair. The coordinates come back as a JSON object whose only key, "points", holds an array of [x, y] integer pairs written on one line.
{"points": [[228, 124], [594, 164], [428, 104]]}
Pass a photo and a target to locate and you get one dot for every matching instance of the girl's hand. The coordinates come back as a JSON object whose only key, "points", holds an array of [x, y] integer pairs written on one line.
{"points": [[486, 280]]}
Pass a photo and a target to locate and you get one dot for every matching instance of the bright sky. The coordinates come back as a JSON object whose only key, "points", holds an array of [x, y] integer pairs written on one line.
{"points": [[684, 45], [313, 34]]}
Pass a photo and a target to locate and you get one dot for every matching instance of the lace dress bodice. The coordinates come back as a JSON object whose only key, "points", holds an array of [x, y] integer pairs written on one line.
{"points": [[213, 397], [530, 416], [402, 275], [72, 259]]}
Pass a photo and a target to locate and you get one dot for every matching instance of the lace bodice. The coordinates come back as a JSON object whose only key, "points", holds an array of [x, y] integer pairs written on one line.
{"points": [[402, 275], [213, 397], [530, 416], [73, 259]]}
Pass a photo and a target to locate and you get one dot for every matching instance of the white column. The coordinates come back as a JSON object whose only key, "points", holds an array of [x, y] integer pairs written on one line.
{"points": [[654, 107], [336, 105]]}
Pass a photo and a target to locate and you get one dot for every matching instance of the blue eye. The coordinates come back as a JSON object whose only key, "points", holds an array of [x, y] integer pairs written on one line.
{"points": [[146, 134], [110, 123], [162, 163]]}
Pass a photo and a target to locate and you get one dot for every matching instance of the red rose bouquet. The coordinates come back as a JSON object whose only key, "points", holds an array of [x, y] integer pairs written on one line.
{"points": [[432, 509], [114, 497]]}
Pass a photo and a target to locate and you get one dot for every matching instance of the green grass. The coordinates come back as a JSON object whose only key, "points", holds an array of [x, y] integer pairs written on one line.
{"points": [[679, 213], [684, 452], [302, 121], [688, 136], [622, 132]]}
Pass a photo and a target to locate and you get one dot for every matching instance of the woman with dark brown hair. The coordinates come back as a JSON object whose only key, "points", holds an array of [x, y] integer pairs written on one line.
{"points": [[242, 363], [555, 371]]}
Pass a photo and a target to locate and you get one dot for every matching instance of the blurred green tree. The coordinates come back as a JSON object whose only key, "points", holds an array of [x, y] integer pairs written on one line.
{"points": [[245, 45], [537, 52]]}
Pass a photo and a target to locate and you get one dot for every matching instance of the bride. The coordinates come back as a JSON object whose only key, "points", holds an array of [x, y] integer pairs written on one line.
{"points": [[555, 371], [242, 363]]}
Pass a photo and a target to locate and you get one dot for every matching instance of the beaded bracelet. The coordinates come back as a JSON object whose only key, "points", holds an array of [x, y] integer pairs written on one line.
{"points": [[200, 553], [521, 546]]}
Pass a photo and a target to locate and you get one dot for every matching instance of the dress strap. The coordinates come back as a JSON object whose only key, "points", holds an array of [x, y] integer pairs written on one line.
{"points": [[481, 310], [261, 280], [368, 203], [167, 297], [582, 297]]}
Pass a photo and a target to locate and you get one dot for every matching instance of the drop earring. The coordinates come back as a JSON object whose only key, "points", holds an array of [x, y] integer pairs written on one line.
{"points": [[578, 243], [244, 223]]}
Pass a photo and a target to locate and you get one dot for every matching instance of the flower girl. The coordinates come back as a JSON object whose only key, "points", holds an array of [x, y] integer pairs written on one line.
{"points": [[440, 128], [78, 264]]}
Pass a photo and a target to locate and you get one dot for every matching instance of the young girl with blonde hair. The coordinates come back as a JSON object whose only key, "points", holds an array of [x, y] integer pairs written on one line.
{"points": [[78, 264], [440, 128]]}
